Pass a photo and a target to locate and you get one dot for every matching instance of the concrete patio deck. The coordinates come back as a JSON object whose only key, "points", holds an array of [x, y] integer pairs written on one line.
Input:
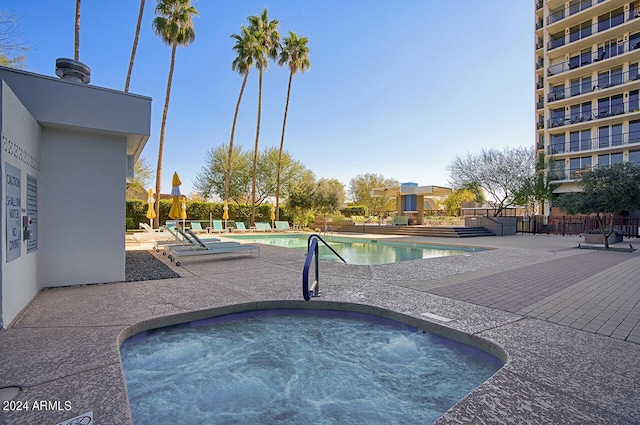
{"points": [[566, 320]]}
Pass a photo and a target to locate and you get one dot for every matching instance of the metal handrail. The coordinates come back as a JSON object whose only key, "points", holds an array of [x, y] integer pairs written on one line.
{"points": [[312, 251], [498, 223]]}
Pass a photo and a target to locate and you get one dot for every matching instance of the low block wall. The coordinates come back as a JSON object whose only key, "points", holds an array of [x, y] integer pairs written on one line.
{"points": [[499, 226]]}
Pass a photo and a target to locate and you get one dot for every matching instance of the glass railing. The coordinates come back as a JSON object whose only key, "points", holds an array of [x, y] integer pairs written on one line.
{"points": [[585, 32], [600, 113], [605, 142], [601, 54], [613, 80], [574, 8]]}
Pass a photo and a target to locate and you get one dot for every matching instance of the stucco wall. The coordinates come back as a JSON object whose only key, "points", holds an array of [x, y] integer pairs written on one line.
{"points": [[21, 150], [84, 190]]}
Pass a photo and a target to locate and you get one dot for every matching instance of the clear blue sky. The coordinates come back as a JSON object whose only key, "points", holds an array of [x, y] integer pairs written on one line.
{"points": [[397, 88]]}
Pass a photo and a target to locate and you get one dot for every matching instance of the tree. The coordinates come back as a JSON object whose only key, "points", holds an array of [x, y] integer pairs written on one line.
{"points": [[135, 46], [300, 197], [453, 203], [501, 174], [10, 42], [538, 188], [174, 26], [245, 44], [76, 48], [137, 186], [268, 45], [328, 196], [605, 192], [209, 181], [295, 54], [360, 188]]}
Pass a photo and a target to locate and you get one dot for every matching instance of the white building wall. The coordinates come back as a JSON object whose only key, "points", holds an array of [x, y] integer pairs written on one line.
{"points": [[83, 187], [21, 148]]}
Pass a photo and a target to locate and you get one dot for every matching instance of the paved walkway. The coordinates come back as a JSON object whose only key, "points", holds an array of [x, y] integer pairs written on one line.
{"points": [[595, 291], [564, 321]]}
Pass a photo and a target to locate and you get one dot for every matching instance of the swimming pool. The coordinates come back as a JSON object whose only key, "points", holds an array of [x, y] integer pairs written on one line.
{"points": [[362, 251], [298, 366]]}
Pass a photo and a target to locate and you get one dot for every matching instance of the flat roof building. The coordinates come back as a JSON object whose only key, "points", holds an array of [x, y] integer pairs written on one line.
{"points": [[586, 85], [66, 148]]}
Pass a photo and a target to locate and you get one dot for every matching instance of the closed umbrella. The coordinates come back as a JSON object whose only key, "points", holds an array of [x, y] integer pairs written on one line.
{"points": [[183, 210], [273, 215], [176, 212], [225, 213], [151, 212]]}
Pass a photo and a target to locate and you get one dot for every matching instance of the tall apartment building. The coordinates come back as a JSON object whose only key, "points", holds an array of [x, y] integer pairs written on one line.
{"points": [[587, 82]]}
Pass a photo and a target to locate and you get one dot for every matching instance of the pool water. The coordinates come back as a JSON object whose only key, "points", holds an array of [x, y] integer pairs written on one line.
{"points": [[298, 366], [357, 251]]}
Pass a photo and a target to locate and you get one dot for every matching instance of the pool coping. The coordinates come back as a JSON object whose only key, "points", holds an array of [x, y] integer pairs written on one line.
{"points": [[553, 374]]}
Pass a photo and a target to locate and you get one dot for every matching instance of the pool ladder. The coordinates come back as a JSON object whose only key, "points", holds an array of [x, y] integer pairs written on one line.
{"points": [[312, 252]]}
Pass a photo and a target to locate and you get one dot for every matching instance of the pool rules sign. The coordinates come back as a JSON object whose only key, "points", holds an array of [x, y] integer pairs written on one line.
{"points": [[13, 204]]}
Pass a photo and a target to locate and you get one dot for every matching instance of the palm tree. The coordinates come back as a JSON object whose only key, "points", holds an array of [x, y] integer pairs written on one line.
{"points": [[174, 25], [295, 54], [245, 43], [76, 49], [135, 46], [267, 47]]}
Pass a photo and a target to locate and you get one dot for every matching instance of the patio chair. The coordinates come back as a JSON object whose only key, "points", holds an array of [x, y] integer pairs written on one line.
{"points": [[283, 226], [263, 227], [240, 227], [183, 241], [197, 227], [217, 227], [213, 249]]}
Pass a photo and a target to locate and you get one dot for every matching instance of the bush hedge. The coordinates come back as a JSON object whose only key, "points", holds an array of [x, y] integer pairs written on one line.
{"points": [[136, 211]]}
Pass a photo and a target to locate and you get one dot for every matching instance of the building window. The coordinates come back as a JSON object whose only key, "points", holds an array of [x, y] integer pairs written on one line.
{"points": [[634, 157], [633, 101], [633, 71], [557, 170], [634, 131], [616, 135], [574, 141], [557, 143], [578, 165], [607, 160], [603, 137], [634, 41]]}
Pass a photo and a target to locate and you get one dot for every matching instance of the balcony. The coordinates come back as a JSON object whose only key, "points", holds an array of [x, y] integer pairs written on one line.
{"points": [[601, 113], [600, 55], [596, 143], [564, 12], [600, 84], [596, 28], [539, 4]]}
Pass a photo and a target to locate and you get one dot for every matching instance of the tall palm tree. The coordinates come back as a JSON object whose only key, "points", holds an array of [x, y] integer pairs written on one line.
{"points": [[245, 44], [135, 46], [174, 25], [268, 45], [76, 48], [295, 54]]}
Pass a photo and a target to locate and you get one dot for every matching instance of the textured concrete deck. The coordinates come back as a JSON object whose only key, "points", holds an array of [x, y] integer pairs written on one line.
{"points": [[566, 321]]}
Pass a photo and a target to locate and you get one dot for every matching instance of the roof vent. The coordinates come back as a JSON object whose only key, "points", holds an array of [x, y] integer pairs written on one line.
{"points": [[72, 70]]}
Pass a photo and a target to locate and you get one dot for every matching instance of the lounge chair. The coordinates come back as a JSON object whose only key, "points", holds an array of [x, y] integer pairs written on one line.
{"points": [[148, 228], [240, 227], [182, 240], [217, 227], [283, 226], [263, 227], [197, 227], [216, 248]]}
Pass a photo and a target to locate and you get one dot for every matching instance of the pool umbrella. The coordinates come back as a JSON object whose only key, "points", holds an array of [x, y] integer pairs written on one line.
{"points": [[175, 212], [225, 213], [151, 212]]}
